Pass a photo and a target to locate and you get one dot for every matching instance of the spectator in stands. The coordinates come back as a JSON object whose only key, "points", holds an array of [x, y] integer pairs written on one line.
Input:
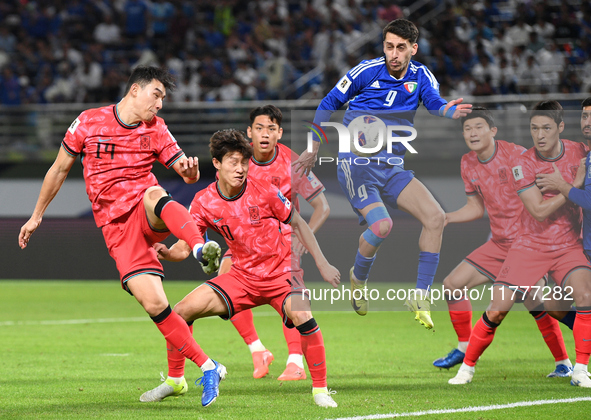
{"points": [[519, 32], [108, 32]]}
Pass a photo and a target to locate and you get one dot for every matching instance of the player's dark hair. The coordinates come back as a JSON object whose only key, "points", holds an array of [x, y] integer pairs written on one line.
{"points": [[551, 109], [143, 75], [586, 102], [403, 28], [480, 112], [229, 141], [270, 111]]}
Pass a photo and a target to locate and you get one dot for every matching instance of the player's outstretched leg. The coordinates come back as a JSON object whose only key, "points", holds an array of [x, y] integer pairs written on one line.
{"points": [[294, 369], [379, 226]]}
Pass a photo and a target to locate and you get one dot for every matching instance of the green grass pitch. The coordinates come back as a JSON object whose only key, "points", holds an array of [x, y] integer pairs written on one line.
{"points": [[86, 350]]}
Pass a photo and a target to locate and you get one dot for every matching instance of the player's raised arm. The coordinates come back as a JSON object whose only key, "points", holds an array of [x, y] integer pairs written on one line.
{"points": [[55, 177], [472, 210], [329, 273]]}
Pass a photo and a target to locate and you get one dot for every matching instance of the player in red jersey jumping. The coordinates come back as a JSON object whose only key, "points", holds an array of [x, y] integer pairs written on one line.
{"points": [[250, 215], [271, 163], [118, 145], [549, 242], [489, 185]]}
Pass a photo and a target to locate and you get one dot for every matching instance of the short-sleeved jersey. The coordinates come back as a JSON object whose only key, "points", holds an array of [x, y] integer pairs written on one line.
{"points": [[250, 223], [563, 227], [492, 181], [369, 87], [117, 158], [279, 172]]}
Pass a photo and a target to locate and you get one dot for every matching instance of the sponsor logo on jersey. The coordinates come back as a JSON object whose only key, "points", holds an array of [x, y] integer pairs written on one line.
{"points": [[503, 175], [410, 86], [344, 84], [74, 126], [255, 217], [275, 180], [284, 200], [145, 142], [517, 172], [376, 85]]}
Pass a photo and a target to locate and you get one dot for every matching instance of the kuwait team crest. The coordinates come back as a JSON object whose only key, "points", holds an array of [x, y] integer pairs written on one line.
{"points": [[410, 86]]}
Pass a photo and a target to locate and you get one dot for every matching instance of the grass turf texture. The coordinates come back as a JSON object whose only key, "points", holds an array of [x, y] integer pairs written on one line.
{"points": [[379, 364]]}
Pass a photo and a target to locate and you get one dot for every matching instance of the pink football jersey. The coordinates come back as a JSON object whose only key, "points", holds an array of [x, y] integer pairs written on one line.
{"points": [[492, 180], [117, 158], [250, 223], [563, 227]]}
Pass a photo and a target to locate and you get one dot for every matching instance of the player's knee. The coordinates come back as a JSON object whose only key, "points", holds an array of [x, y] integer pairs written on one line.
{"points": [[155, 193], [155, 307], [495, 317], [182, 309], [300, 317], [379, 226], [435, 219]]}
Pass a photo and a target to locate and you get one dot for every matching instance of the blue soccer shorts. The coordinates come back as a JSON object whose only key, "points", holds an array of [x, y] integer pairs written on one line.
{"points": [[366, 182]]}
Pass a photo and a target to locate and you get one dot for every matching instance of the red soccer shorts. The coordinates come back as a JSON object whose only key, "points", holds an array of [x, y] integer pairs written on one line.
{"points": [[524, 268], [129, 239], [241, 292], [488, 259]]}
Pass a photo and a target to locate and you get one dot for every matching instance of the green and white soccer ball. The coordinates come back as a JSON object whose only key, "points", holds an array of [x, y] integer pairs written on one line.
{"points": [[368, 135]]}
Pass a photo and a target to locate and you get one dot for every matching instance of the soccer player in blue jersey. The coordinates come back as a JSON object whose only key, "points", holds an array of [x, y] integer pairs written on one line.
{"points": [[390, 87]]}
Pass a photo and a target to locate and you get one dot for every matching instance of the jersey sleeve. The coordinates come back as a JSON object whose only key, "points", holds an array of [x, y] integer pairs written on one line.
{"points": [[73, 141], [168, 149], [582, 197], [346, 89], [429, 92], [468, 186], [280, 206], [523, 173]]}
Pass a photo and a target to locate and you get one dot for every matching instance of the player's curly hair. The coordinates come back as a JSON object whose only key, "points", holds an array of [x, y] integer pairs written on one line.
{"points": [[404, 29], [551, 109], [270, 111], [480, 112], [143, 75], [229, 141]]}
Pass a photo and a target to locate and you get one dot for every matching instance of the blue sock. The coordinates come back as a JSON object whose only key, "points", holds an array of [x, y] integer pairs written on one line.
{"points": [[362, 266], [569, 319], [428, 262]]}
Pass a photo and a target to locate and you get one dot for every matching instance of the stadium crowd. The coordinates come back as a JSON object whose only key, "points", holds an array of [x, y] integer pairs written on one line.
{"points": [[83, 50]]}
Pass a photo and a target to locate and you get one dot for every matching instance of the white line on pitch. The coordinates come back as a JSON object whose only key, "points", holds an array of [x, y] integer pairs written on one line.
{"points": [[101, 320], [466, 409]]}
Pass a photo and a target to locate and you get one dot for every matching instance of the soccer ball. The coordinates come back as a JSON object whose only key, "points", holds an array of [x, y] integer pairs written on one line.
{"points": [[369, 133]]}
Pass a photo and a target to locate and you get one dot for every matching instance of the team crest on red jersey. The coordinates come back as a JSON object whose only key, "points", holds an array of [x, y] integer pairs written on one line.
{"points": [[255, 217], [573, 170], [503, 175], [144, 142], [276, 181]]}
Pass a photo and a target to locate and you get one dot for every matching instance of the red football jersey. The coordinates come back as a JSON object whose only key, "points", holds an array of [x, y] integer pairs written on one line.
{"points": [[250, 223], [562, 228], [492, 180], [279, 172], [117, 158]]}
